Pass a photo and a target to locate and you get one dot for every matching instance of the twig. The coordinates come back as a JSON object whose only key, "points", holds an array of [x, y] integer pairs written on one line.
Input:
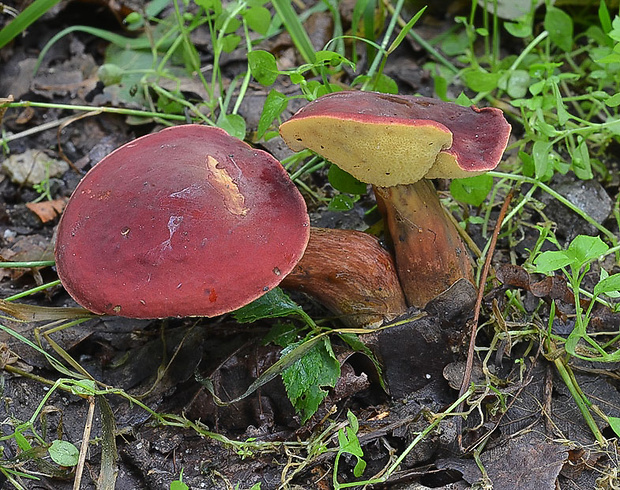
{"points": [[84, 447], [473, 325]]}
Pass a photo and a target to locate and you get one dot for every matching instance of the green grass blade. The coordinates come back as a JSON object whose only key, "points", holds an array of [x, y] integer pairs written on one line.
{"points": [[121, 41], [295, 29], [29, 15]]}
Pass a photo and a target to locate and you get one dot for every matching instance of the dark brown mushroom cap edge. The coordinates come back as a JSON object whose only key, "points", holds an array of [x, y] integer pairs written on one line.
{"points": [[188, 221], [387, 140]]}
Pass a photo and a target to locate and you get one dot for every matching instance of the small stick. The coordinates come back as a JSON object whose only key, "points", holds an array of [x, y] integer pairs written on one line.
{"points": [[473, 325], [84, 447]]}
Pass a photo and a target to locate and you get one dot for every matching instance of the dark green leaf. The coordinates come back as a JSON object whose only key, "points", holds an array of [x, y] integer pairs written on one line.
{"points": [[274, 106], [472, 190], [341, 202], [281, 334], [344, 181], [273, 304], [306, 377]]}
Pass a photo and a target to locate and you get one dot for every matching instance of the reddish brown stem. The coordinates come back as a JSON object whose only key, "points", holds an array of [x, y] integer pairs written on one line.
{"points": [[350, 274], [430, 255]]}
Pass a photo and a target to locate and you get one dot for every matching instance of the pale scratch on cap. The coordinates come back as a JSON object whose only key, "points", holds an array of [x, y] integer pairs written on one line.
{"points": [[233, 199]]}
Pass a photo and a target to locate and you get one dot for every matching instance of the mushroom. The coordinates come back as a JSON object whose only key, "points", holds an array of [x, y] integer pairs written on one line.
{"points": [[188, 221], [351, 274], [396, 143]]}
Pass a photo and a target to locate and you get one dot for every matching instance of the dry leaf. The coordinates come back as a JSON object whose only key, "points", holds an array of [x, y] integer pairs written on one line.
{"points": [[47, 210]]}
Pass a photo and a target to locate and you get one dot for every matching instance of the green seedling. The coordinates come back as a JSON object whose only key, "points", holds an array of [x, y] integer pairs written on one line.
{"points": [[576, 261]]}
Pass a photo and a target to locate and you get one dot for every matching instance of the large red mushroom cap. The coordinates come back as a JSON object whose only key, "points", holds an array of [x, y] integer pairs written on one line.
{"points": [[388, 140], [188, 221]]}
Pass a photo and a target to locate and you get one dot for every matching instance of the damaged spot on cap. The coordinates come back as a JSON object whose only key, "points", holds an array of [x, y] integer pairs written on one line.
{"points": [[224, 183]]}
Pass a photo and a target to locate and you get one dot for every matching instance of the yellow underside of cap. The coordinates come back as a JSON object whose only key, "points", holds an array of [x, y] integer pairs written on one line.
{"points": [[383, 155]]}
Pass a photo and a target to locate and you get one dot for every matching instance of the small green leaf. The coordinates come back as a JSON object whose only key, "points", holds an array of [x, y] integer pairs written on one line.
{"points": [[306, 377], [22, 442], [614, 100], [518, 84], [63, 453], [281, 334], [614, 423], [551, 261], [272, 304], [326, 57], [560, 27], [348, 442], [178, 485], [344, 181], [233, 124], [258, 19], [230, 42], [472, 190], [110, 74], [609, 285], [586, 248], [540, 153], [263, 66], [274, 106], [521, 28], [341, 202], [604, 17], [480, 81], [581, 160]]}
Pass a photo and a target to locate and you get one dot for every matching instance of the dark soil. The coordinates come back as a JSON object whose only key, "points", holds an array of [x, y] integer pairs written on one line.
{"points": [[528, 434]]}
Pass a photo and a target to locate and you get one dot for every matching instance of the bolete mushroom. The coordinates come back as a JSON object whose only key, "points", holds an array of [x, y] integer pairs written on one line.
{"points": [[396, 143], [351, 274], [188, 221]]}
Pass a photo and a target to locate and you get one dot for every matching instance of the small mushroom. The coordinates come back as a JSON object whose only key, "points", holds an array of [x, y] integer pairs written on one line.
{"points": [[188, 221], [351, 274], [396, 143]]}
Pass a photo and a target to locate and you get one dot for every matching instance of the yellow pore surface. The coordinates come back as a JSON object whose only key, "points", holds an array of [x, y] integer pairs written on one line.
{"points": [[379, 154]]}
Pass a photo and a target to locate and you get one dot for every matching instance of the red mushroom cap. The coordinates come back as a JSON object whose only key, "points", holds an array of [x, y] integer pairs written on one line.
{"points": [[188, 221], [388, 140]]}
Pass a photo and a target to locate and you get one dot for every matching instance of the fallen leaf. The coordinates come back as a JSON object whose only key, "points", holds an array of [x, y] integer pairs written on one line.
{"points": [[47, 210]]}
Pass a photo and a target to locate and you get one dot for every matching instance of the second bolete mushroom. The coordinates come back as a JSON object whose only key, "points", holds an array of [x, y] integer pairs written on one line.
{"points": [[396, 143], [188, 221]]}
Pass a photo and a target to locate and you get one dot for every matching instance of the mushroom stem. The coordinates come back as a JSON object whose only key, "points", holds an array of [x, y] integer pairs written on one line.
{"points": [[351, 274], [430, 255]]}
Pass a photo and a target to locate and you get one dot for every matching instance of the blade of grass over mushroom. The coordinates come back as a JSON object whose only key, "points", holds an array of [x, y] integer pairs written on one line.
{"points": [[34, 290], [26, 265]]}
